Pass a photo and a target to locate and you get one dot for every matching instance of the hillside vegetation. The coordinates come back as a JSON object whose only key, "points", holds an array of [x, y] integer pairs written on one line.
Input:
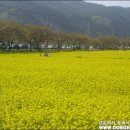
{"points": [[69, 16]]}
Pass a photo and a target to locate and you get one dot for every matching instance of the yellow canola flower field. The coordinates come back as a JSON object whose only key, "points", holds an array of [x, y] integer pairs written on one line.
{"points": [[67, 90]]}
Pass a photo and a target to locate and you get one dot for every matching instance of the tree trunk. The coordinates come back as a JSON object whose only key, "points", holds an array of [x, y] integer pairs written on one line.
{"points": [[30, 46], [46, 46], [58, 47], [9, 44], [37, 46], [73, 46], [79, 46]]}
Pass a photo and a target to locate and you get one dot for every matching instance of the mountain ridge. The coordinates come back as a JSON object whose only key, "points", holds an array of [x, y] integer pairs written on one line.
{"points": [[69, 16]]}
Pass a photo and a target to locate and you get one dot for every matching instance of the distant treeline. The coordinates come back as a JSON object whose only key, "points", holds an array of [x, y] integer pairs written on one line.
{"points": [[29, 37]]}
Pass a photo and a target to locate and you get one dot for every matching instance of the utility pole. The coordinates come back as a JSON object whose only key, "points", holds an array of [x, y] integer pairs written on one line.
{"points": [[112, 31], [88, 28]]}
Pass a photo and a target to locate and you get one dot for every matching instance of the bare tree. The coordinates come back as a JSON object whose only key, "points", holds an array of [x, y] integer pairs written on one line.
{"points": [[59, 38], [12, 32]]}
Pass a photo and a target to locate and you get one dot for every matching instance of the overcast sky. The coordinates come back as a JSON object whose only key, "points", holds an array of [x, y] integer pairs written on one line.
{"points": [[113, 3]]}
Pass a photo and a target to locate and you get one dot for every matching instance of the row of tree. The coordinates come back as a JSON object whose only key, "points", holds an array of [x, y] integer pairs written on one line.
{"points": [[13, 34]]}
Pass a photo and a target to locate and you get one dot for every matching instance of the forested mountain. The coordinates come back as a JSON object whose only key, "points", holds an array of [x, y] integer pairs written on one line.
{"points": [[69, 16]]}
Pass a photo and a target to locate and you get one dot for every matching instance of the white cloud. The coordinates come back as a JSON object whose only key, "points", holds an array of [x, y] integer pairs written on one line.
{"points": [[113, 3]]}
